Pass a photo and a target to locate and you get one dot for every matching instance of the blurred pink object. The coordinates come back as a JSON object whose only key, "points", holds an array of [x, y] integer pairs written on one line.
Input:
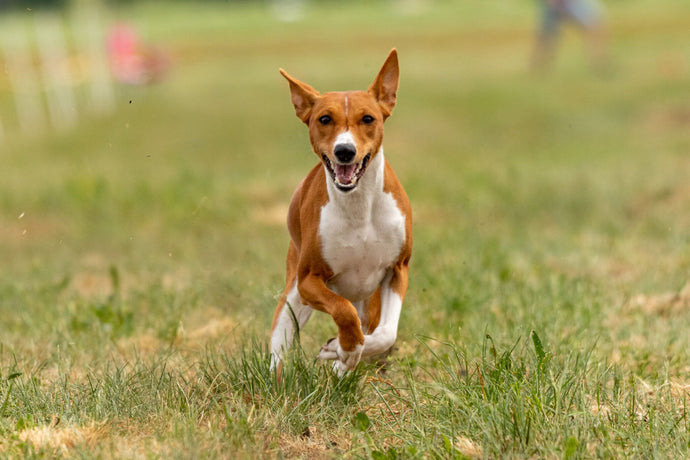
{"points": [[131, 62]]}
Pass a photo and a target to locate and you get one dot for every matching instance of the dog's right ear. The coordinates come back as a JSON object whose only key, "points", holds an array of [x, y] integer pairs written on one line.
{"points": [[303, 97]]}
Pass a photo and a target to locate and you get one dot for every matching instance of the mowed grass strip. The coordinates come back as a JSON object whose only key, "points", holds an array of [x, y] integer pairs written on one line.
{"points": [[143, 252]]}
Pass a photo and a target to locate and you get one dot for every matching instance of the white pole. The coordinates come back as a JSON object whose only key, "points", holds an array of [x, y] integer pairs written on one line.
{"points": [[23, 79], [57, 76], [90, 38]]}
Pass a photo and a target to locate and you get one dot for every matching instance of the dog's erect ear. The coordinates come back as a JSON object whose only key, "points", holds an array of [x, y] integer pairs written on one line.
{"points": [[385, 86], [303, 97]]}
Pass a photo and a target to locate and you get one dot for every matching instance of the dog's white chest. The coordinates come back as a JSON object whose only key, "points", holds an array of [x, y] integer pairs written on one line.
{"points": [[360, 242]]}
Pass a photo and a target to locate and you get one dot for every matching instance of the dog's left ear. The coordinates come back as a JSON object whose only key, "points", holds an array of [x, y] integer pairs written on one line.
{"points": [[385, 86]]}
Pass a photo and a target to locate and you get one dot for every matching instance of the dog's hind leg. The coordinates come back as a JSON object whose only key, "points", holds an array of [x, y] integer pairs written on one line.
{"points": [[290, 315], [383, 337]]}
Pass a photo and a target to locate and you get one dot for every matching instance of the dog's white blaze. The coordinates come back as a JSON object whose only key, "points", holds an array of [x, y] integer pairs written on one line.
{"points": [[362, 233], [284, 332], [346, 103], [344, 138]]}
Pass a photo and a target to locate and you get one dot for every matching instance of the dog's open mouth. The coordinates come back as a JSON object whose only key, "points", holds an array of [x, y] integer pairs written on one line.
{"points": [[346, 176]]}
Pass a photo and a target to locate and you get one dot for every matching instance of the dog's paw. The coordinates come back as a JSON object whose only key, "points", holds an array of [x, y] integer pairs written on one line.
{"points": [[350, 359], [330, 349], [339, 368], [344, 360]]}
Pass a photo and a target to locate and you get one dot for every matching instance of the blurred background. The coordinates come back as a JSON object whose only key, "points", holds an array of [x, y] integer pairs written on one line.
{"points": [[152, 144], [148, 153]]}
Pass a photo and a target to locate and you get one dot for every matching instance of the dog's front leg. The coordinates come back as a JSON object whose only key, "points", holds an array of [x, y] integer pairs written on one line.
{"points": [[348, 348], [393, 289]]}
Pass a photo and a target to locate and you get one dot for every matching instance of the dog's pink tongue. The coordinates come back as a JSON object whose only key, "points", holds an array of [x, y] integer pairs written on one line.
{"points": [[345, 173]]}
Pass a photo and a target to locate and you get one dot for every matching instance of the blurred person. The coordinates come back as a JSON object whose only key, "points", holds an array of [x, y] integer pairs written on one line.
{"points": [[586, 14], [132, 62]]}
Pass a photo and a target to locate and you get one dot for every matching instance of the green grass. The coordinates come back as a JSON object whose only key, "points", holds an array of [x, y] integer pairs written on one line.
{"points": [[143, 252]]}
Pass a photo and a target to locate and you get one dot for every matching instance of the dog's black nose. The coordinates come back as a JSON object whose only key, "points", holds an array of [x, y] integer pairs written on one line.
{"points": [[345, 152]]}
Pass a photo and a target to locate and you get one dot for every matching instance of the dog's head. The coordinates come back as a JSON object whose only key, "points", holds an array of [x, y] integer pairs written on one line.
{"points": [[346, 128]]}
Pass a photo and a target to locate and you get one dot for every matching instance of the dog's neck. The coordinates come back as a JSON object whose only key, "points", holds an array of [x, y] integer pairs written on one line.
{"points": [[359, 201]]}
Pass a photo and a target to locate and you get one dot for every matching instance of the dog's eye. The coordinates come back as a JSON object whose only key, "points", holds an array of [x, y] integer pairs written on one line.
{"points": [[325, 119], [367, 119]]}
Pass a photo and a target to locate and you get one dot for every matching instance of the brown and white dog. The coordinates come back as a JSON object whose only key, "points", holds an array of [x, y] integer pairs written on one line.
{"points": [[350, 225]]}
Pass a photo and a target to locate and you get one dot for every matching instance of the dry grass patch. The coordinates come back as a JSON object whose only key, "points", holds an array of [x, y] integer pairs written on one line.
{"points": [[145, 344], [468, 448], [208, 325], [62, 439], [273, 214], [667, 304], [313, 443]]}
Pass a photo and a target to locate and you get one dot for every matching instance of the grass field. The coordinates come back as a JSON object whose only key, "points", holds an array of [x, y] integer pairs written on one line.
{"points": [[142, 254]]}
